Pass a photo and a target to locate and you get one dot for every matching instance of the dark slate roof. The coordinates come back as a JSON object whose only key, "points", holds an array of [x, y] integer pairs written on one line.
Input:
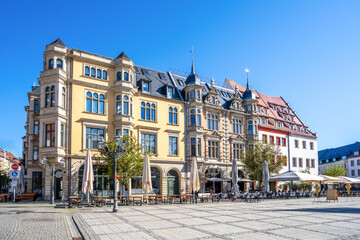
{"points": [[338, 152], [123, 55], [58, 42], [158, 86], [35, 89]]}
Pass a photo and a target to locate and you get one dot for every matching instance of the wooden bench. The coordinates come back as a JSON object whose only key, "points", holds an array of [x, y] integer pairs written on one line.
{"points": [[26, 196], [5, 196], [74, 200]]}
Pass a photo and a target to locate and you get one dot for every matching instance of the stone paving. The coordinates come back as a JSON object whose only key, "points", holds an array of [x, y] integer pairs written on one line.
{"points": [[270, 219], [28, 220]]}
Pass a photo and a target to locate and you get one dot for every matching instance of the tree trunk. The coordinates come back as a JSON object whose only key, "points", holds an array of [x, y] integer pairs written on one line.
{"points": [[123, 189]]}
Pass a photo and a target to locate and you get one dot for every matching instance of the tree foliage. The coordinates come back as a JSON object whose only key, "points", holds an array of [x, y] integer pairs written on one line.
{"points": [[128, 166], [335, 171], [4, 181], [255, 157]]}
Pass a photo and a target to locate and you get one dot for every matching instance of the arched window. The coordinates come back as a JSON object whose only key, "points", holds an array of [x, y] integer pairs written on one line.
{"points": [[192, 94], [95, 102], [104, 73], [148, 111], [198, 94], [192, 118], [250, 128], [172, 115], [51, 63], [92, 72], [87, 71], [59, 63], [50, 97], [237, 105], [118, 105], [88, 101], [126, 76], [118, 76], [213, 100], [98, 73], [126, 105]]}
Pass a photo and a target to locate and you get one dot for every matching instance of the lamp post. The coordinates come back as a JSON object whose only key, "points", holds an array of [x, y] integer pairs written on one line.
{"points": [[118, 151]]}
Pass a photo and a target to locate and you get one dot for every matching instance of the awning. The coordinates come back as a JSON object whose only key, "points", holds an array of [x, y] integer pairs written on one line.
{"points": [[296, 176], [217, 180]]}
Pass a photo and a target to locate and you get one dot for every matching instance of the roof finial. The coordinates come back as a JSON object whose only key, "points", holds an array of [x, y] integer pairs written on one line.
{"points": [[192, 58], [212, 81], [34, 84], [247, 78], [236, 88]]}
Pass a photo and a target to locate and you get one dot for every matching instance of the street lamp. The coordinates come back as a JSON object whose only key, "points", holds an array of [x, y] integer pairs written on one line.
{"points": [[118, 151]]}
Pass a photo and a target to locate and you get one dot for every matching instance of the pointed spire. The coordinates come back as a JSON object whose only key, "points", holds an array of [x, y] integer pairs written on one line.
{"points": [[123, 55], [247, 78], [192, 58], [212, 81], [58, 42]]}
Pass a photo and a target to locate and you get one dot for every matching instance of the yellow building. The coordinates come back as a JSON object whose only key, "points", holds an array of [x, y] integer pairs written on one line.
{"points": [[83, 97]]}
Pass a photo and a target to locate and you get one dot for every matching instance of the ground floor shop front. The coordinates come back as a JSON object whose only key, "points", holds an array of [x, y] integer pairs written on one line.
{"points": [[168, 177]]}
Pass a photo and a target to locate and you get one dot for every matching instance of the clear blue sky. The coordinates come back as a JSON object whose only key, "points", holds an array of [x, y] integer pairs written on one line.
{"points": [[305, 51]]}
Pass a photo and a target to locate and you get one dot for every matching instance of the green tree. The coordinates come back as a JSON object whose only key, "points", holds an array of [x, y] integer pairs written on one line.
{"points": [[128, 166], [335, 171], [255, 157]]}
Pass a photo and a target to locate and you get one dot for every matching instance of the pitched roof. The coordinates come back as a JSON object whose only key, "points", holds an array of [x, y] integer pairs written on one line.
{"points": [[58, 42], [278, 110], [338, 152], [123, 55]]}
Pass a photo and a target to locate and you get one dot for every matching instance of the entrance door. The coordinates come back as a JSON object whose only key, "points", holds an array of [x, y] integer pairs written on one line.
{"points": [[172, 182], [58, 188], [37, 182], [101, 185]]}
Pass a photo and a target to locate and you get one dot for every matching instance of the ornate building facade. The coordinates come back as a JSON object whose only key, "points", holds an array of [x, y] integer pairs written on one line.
{"points": [[83, 97]]}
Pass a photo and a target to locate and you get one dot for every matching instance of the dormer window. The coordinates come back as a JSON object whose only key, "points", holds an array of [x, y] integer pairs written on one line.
{"points": [[162, 76], [136, 69], [126, 76], [198, 94], [181, 82], [212, 100], [51, 63], [278, 124], [170, 92], [118, 76], [146, 87], [265, 111], [146, 72], [59, 63], [192, 94]]}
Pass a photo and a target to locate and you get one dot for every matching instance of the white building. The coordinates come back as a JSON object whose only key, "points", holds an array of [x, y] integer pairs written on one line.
{"points": [[354, 164]]}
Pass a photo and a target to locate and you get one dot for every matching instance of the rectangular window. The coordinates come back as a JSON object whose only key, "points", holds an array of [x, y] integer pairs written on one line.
{"points": [[195, 147], [193, 120], [173, 146], [352, 173], [307, 163], [312, 163], [294, 162], [358, 162], [36, 105], [93, 136], [146, 87], [311, 145], [304, 144], [62, 132], [278, 141], [213, 149], [170, 92], [352, 163], [35, 153], [264, 138], [271, 138], [36, 127], [358, 172], [300, 162], [296, 143], [148, 143], [173, 115], [237, 151], [283, 142], [50, 135]]}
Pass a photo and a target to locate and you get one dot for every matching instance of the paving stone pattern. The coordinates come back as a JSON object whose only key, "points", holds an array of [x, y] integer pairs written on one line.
{"points": [[270, 219], [35, 221]]}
